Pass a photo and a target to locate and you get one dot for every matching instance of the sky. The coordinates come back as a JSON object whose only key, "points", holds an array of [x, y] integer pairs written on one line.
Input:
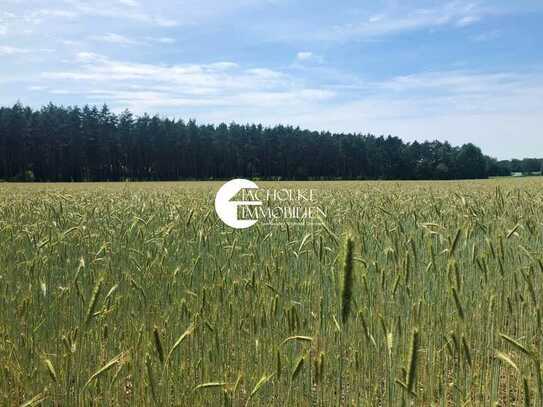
{"points": [[462, 71]]}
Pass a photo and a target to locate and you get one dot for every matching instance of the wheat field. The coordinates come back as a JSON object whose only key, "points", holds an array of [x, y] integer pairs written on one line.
{"points": [[411, 293]]}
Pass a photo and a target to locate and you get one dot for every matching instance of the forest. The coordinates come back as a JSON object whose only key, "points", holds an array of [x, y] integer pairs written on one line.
{"points": [[90, 143]]}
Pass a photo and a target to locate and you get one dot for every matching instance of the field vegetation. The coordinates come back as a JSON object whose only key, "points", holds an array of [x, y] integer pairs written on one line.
{"points": [[411, 293]]}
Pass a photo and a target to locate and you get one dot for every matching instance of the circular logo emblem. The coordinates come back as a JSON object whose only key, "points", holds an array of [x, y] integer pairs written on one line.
{"points": [[227, 209]]}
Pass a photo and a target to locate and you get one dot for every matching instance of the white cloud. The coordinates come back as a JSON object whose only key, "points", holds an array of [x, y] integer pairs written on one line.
{"points": [[376, 18], [224, 83], [165, 40], [223, 65], [456, 82], [220, 75], [5, 15], [88, 57], [164, 22], [38, 16], [304, 58], [400, 19], [119, 10], [130, 3], [265, 74], [5, 19], [304, 55], [8, 50], [160, 13], [468, 20], [221, 85], [72, 9], [113, 38], [71, 42]]}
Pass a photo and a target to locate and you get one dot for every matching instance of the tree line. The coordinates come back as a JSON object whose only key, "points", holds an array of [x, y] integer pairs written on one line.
{"points": [[526, 166], [57, 143]]}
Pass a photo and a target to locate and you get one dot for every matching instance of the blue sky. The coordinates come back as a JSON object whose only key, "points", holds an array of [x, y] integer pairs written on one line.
{"points": [[463, 71]]}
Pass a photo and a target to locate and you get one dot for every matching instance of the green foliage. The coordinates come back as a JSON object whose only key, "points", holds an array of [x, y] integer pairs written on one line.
{"points": [[137, 294], [91, 144], [348, 279]]}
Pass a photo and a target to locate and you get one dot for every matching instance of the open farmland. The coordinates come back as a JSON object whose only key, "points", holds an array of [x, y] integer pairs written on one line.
{"points": [[137, 294]]}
